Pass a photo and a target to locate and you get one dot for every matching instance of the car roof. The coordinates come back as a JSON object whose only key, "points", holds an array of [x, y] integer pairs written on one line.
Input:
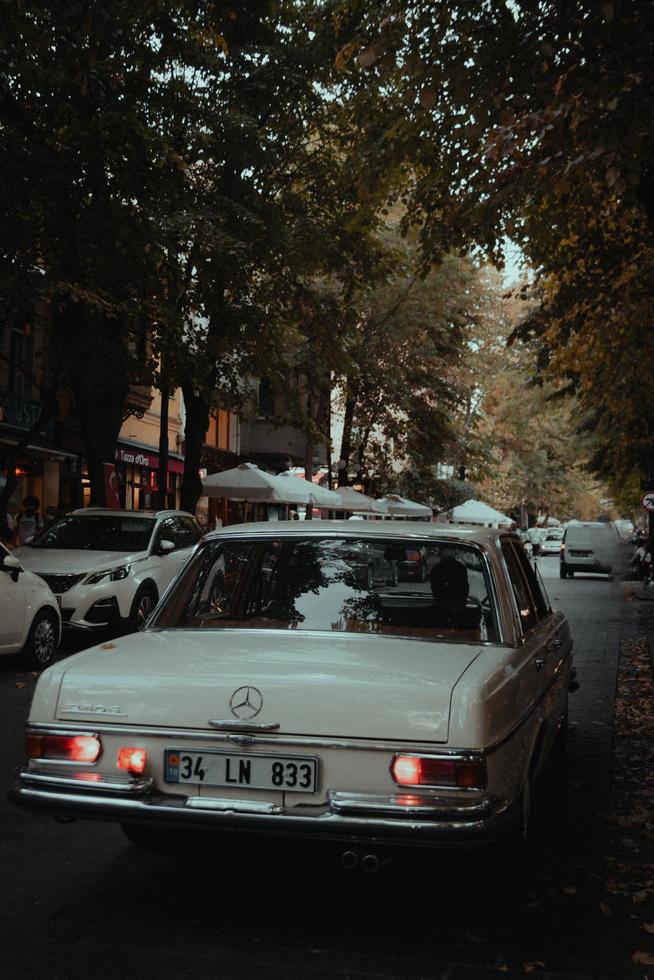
{"points": [[465, 534], [110, 511]]}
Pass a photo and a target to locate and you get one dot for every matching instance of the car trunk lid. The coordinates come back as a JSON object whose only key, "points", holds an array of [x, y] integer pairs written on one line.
{"points": [[336, 685]]}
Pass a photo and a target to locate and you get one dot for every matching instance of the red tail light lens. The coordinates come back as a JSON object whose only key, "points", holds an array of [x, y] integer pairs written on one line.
{"points": [[68, 748], [415, 770], [131, 759]]}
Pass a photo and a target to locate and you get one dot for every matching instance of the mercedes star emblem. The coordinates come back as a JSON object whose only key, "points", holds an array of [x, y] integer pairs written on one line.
{"points": [[246, 702]]}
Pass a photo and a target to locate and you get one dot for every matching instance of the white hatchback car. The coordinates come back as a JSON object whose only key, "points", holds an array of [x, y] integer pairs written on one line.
{"points": [[109, 568], [277, 691], [30, 624]]}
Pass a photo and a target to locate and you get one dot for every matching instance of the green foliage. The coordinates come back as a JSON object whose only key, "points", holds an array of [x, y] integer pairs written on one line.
{"points": [[531, 120]]}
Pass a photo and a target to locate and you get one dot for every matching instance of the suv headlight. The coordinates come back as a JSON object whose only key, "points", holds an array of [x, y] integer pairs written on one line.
{"points": [[115, 574]]}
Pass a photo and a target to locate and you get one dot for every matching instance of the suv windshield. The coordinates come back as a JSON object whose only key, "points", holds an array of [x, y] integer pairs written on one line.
{"points": [[98, 533], [426, 589]]}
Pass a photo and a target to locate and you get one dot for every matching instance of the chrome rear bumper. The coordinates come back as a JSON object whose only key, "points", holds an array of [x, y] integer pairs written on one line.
{"points": [[425, 820]]}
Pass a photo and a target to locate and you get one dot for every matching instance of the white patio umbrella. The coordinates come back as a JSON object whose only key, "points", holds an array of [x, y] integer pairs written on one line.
{"points": [[316, 495], [401, 507], [477, 512], [249, 482], [359, 503]]}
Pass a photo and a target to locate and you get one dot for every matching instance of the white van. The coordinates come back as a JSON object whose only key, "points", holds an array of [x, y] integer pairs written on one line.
{"points": [[588, 547]]}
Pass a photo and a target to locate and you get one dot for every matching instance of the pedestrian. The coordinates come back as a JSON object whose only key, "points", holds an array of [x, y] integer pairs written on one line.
{"points": [[29, 521]]}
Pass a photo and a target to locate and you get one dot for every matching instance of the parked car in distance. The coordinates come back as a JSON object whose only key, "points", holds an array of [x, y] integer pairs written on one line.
{"points": [[109, 568], [551, 545], [308, 702], [588, 546], [30, 624]]}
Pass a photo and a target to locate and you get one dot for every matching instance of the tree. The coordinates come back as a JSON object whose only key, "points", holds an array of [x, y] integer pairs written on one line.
{"points": [[398, 393], [174, 174], [531, 120]]}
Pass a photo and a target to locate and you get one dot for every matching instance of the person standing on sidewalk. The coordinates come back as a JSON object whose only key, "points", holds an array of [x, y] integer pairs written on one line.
{"points": [[29, 522]]}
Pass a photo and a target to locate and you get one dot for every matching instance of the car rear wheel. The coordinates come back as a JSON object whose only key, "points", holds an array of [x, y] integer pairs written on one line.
{"points": [[41, 643], [144, 602]]}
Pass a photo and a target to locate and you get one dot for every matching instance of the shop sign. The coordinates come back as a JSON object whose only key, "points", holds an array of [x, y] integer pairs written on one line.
{"points": [[136, 458], [21, 413]]}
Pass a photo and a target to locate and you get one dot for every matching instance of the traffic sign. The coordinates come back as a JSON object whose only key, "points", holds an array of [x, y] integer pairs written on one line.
{"points": [[647, 500]]}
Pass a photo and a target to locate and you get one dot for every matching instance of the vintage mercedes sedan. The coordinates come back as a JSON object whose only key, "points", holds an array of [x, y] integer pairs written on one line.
{"points": [[276, 690]]}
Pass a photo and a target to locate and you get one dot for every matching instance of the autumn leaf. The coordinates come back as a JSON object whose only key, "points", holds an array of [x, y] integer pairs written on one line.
{"points": [[367, 57], [533, 966], [645, 958]]}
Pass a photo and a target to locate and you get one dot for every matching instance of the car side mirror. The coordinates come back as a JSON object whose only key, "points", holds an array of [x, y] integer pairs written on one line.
{"points": [[11, 565], [165, 547]]}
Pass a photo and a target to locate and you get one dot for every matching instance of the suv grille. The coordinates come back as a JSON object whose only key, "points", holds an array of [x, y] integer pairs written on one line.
{"points": [[61, 583]]}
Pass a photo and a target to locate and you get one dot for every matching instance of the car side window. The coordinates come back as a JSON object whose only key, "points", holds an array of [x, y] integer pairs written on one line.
{"points": [[537, 590], [186, 532], [166, 532], [521, 591]]}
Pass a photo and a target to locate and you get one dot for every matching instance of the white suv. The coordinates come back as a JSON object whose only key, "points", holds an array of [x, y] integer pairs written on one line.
{"points": [[108, 568], [30, 624]]}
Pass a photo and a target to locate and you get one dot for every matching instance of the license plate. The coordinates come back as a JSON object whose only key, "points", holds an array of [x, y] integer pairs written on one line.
{"points": [[290, 774]]}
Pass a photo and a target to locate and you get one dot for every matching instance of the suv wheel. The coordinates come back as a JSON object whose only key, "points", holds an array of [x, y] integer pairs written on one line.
{"points": [[41, 642], [144, 602]]}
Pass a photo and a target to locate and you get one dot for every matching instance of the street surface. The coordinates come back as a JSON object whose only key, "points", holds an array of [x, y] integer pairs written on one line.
{"points": [[78, 901]]}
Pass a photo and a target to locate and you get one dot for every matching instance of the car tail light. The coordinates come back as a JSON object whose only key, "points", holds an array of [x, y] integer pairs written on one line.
{"points": [[416, 770], [131, 759], [68, 748], [412, 555]]}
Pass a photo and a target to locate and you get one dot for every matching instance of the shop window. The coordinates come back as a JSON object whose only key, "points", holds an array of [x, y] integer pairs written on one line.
{"points": [[21, 356]]}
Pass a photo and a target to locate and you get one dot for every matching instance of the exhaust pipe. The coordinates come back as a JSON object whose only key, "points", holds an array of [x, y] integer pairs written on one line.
{"points": [[370, 864], [349, 860]]}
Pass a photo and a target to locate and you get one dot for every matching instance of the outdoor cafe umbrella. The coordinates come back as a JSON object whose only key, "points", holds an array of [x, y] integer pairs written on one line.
{"points": [[316, 495], [477, 512], [248, 482], [359, 503], [401, 507]]}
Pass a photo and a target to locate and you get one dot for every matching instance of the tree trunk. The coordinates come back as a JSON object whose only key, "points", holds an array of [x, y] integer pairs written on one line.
{"points": [[97, 363], [346, 439], [197, 423]]}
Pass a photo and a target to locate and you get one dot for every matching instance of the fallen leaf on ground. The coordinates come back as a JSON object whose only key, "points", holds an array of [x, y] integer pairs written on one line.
{"points": [[532, 967], [108, 646], [645, 958], [20, 684]]}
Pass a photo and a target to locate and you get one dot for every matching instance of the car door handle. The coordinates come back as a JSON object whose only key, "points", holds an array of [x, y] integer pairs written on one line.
{"points": [[539, 662]]}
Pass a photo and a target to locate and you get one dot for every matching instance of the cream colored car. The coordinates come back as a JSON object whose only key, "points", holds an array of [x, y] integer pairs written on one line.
{"points": [[276, 691]]}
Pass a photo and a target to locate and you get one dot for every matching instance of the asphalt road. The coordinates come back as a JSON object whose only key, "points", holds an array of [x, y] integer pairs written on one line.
{"points": [[78, 901]]}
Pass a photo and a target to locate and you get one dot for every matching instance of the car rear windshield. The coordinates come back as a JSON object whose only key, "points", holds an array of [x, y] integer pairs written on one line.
{"points": [[98, 533], [429, 590]]}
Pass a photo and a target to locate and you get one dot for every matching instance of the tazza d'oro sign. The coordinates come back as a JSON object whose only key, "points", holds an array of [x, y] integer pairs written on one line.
{"points": [[647, 500]]}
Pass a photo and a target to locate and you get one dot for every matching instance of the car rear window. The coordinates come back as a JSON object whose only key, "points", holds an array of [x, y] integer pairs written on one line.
{"points": [[431, 590], [98, 533]]}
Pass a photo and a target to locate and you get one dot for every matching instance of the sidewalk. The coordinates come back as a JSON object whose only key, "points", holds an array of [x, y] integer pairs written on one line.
{"points": [[629, 819]]}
